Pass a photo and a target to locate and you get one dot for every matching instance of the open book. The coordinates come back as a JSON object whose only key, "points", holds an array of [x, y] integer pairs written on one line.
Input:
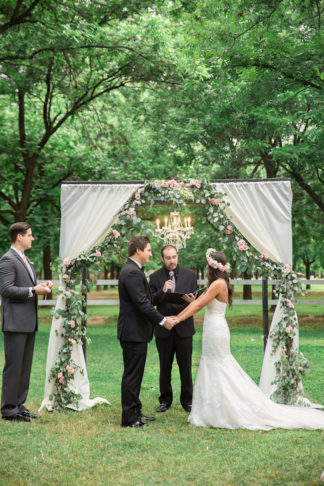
{"points": [[176, 297]]}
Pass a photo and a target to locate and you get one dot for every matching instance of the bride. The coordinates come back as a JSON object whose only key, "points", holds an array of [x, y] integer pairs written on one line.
{"points": [[224, 395]]}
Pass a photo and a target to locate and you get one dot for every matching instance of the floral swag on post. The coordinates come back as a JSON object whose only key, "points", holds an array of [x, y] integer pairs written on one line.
{"points": [[292, 365]]}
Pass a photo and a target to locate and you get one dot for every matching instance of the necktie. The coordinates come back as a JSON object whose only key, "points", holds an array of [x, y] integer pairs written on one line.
{"points": [[29, 268], [171, 275]]}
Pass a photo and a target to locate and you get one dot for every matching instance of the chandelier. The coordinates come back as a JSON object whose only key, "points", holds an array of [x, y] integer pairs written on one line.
{"points": [[174, 232]]}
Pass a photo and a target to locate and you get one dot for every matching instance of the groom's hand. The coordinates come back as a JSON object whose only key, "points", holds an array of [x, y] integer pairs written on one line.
{"points": [[169, 323]]}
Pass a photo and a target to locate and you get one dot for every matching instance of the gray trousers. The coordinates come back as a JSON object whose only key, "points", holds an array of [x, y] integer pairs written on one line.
{"points": [[19, 348]]}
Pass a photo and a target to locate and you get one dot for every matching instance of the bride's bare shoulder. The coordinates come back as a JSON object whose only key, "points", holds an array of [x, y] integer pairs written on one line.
{"points": [[218, 285]]}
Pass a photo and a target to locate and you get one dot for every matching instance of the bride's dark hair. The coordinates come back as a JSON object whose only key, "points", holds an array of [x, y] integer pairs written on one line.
{"points": [[215, 273]]}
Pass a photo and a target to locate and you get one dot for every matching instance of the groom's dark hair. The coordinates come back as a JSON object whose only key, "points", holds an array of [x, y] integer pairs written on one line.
{"points": [[139, 242], [16, 229]]}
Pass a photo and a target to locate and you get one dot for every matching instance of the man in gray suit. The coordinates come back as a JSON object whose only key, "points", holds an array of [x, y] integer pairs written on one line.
{"points": [[18, 290]]}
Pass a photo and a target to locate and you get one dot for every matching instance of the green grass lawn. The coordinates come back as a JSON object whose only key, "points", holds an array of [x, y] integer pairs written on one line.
{"points": [[90, 447]]}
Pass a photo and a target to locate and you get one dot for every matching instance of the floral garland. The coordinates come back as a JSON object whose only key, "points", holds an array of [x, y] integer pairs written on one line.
{"points": [[214, 263], [291, 366]]}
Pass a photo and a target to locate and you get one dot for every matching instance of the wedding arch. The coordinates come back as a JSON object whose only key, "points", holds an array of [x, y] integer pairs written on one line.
{"points": [[254, 215]]}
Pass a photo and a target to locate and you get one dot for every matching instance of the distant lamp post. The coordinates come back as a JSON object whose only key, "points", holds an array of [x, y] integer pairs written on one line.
{"points": [[174, 232]]}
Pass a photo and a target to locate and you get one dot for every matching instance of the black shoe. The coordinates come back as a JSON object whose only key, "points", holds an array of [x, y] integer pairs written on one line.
{"points": [[136, 425], [144, 417], [163, 408], [27, 413], [187, 408], [17, 418]]}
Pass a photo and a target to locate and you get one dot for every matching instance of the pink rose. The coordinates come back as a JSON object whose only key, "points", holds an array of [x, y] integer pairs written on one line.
{"points": [[214, 201], [288, 329], [116, 234], [70, 370], [138, 196], [61, 379], [65, 276], [66, 261], [287, 268], [60, 374], [71, 323], [229, 230], [98, 253], [242, 245], [131, 212], [264, 256], [290, 304], [300, 368], [72, 341]]}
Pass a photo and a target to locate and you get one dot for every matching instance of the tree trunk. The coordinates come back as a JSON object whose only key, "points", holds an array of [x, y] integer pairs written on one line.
{"points": [[105, 287], [270, 167], [247, 289], [273, 297], [307, 264], [48, 275]]}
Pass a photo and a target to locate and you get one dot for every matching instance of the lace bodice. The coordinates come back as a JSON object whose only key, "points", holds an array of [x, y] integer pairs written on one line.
{"points": [[216, 307]]}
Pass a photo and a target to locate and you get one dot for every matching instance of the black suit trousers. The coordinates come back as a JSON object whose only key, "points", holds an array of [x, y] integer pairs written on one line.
{"points": [[182, 348], [134, 356], [19, 348]]}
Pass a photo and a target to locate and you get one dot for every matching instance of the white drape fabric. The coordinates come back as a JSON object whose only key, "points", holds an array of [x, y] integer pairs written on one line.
{"points": [[88, 213], [261, 210], [80, 384]]}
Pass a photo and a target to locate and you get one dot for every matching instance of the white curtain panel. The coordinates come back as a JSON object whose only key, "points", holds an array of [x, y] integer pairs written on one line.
{"points": [[88, 213], [80, 383], [261, 211]]}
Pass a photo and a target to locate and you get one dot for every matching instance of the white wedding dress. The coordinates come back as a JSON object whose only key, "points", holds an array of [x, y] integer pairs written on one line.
{"points": [[225, 396]]}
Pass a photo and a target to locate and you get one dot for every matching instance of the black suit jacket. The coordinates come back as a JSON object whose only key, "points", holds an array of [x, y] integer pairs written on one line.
{"points": [[186, 282], [19, 311], [137, 316]]}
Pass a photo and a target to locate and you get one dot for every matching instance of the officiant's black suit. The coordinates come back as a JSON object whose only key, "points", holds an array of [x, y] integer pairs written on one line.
{"points": [[136, 320], [178, 341]]}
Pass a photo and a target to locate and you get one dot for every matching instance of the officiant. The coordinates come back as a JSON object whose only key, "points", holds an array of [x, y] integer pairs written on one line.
{"points": [[172, 287]]}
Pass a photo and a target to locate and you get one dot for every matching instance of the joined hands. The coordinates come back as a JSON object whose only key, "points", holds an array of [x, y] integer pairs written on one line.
{"points": [[170, 322]]}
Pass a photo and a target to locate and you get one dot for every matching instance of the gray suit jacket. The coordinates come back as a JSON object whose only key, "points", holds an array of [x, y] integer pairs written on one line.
{"points": [[19, 311]]}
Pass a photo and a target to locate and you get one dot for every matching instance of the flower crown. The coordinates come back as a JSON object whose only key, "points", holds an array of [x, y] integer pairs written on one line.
{"points": [[214, 263]]}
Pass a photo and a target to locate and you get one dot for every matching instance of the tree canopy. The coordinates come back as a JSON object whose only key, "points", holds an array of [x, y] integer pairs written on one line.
{"points": [[96, 90]]}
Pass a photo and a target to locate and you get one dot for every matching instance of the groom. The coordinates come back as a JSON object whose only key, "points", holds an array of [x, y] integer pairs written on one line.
{"points": [[136, 319]]}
